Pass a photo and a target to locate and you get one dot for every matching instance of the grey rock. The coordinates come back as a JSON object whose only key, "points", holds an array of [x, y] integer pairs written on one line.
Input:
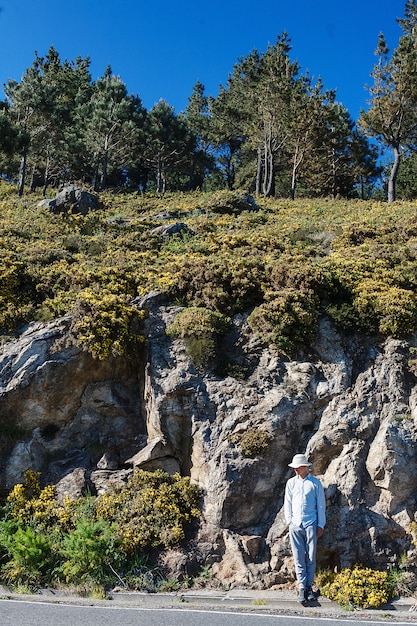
{"points": [[72, 199], [168, 230]]}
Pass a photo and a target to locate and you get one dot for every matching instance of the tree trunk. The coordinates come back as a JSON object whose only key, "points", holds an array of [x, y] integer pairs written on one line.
{"points": [[295, 165], [32, 185], [45, 179], [22, 174], [94, 182], [230, 170], [103, 177], [258, 173], [269, 178], [231, 176], [334, 189], [159, 177], [393, 175]]}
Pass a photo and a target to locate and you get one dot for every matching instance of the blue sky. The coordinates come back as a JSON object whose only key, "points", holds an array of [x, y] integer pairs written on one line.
{"points": [[161, 48]]}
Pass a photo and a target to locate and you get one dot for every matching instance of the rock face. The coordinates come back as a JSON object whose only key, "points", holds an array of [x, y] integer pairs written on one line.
{"points": [[352, 406], [60, 410]]}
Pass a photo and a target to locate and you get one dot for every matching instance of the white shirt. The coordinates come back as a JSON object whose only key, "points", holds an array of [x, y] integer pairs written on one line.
{"points": [[304, 502]]}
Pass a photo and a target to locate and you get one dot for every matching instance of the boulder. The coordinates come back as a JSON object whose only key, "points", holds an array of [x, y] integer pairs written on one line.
{"points": [[72, 199]]}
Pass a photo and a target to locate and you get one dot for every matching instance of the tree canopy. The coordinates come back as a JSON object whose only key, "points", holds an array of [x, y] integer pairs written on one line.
{"points": [[272, 130]]}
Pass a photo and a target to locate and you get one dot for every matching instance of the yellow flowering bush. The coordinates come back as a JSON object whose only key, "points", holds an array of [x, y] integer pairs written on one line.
{"points": [[16, 293], [30, 504], [358, 259], [359, 588], [105, 325], [394, 308], [151, 511]]}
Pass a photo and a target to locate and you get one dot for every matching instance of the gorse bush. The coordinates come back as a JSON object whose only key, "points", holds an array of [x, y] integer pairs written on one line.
{"points": [[223, 282], [201, 330], [104, 324], [288, 320], [151, 511], [92, 540], [358, 587]]}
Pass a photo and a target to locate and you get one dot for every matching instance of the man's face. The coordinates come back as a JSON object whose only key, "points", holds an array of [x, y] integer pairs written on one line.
{"points": [[302, 471]]}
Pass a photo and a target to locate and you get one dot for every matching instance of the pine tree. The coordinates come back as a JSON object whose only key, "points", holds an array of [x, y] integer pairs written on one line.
{"points": [[168, 143], [392, 116], [111, 122], [42, 105]]}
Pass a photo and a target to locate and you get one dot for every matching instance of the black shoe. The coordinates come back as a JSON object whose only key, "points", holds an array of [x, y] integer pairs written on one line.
{"points": [[310, 595], [302, 596]]}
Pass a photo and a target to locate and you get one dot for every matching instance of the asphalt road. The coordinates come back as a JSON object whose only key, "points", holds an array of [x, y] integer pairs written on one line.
{"points": [[23, 613]]}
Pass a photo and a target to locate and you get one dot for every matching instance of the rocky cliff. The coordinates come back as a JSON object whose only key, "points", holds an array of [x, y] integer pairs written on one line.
{"points": [[351, 405]]}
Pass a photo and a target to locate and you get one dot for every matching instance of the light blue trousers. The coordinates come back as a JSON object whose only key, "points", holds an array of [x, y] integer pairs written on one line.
{"points": [[304, 547]]}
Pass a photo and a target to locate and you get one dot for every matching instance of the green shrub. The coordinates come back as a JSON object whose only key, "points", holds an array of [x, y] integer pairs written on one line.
{"points": [[31, 558], [200, 329], [300, 272], [230, 202], [253, 441], [393, 308], [16, 294], [90, 552], [223, 282], [197, 321], [288, 320]]}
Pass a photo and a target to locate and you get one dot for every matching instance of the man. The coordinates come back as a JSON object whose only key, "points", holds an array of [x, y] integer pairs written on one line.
{"points": [[305, 512]]}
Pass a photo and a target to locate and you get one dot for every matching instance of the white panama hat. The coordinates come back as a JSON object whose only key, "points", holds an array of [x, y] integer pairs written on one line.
{"points": [[300, 460]]}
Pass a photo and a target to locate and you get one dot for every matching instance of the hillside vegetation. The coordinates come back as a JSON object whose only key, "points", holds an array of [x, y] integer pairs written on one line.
{"points": [[284, 262]]}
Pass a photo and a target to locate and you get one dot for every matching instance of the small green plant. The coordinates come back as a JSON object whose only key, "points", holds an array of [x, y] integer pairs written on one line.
{"points": [[412, 530], [10, 434], [205, 572], [142, 575], [403, 417], [30, 558], [89, 550], [252, 442], [412, 360], [403, 581]]}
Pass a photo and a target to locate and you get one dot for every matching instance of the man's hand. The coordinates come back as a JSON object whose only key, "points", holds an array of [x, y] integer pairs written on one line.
{"points": [[320, 532]]}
